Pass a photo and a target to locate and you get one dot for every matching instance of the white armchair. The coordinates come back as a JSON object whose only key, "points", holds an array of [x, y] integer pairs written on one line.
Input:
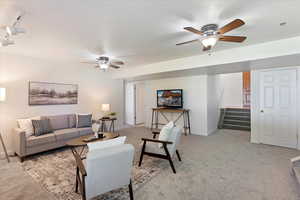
{"points": [[105, 169]]}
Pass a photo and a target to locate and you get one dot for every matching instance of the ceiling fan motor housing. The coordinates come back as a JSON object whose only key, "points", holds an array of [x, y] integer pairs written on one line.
{"points": [[210, 29], [103, 60]]}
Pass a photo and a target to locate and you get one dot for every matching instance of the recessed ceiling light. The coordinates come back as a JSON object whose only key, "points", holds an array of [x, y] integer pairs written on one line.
{"points": [[282, 23]]}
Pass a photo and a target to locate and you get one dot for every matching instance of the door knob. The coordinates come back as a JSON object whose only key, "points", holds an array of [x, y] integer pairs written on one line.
{"points": [[261, 111]]}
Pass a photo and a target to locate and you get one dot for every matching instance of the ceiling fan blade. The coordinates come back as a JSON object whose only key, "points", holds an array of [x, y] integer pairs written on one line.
{"points": [[88, 61], [207, 48], [118, 62], [114, 66], [225, 38], [232, 25], [193, 30], [187, 42]]}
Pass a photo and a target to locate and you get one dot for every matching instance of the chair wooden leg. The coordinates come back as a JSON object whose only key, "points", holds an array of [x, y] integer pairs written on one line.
{"points": [[22, 159], [142, 153], [169, 158], [178, 155], [76, 184], [130, 190]]}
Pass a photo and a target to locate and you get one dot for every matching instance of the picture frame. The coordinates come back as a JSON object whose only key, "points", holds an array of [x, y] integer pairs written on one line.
{"points": [[45, 93]]}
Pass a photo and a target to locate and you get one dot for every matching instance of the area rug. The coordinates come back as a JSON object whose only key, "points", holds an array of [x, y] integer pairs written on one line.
{"points": [[55, 171]]}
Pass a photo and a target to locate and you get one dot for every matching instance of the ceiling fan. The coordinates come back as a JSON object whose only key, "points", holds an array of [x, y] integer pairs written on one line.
{"points": [[104, 62], [211, 34]]}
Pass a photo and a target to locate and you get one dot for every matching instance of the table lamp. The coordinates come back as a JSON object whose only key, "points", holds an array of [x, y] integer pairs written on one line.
{"points": [[105, 109], [2, 99]]}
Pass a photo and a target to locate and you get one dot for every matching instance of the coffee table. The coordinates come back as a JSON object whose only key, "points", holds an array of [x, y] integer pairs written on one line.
{"points": [[79, 142]]}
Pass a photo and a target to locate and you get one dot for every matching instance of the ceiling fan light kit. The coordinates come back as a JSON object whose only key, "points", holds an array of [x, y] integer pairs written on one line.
{"points": [[209, 41]]}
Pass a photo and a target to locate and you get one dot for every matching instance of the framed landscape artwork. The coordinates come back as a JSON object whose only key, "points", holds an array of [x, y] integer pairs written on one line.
{"points": [[42, 93]]}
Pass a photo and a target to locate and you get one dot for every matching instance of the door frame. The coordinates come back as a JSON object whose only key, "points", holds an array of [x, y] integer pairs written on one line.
{"points": [[255, 102]]}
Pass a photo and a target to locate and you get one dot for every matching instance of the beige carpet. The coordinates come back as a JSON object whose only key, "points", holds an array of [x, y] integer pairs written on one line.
{"points": [[222, 166], [55, 172]]}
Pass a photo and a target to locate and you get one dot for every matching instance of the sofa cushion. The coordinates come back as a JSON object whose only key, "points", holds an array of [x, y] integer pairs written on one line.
{"points": [[65, 134], [58, 121], [72, 121], [41, 127], [84, 120], [85, 131], [26, 125], [40, 140]]}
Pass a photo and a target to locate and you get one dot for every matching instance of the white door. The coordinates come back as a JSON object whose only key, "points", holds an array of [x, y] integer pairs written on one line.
{"points": [[139, 103], [130, 104], [278, 107]]}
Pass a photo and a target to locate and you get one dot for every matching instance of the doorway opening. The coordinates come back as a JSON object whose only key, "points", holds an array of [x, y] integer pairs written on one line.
{"points": [[134, 104], [235, 101]]}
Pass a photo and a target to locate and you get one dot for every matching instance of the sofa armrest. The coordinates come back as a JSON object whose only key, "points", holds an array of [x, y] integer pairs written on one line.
{"points": [[19, 142]]}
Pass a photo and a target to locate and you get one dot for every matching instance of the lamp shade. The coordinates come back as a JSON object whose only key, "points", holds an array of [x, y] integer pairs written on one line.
{"points": [[2, 94], [105, 107]]}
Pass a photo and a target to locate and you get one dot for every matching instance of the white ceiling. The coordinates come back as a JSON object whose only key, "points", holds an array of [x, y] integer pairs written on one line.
{"points": [[140, 32]]}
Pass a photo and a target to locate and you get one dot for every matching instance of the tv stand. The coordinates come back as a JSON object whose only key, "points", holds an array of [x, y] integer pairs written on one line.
{"points": [[183, 113]]}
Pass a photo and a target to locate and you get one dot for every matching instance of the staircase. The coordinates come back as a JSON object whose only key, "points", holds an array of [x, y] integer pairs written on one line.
{"points": [[235, 118]]}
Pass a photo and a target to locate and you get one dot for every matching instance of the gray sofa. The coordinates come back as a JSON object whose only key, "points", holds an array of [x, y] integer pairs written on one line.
{"points": [[64, 127]]}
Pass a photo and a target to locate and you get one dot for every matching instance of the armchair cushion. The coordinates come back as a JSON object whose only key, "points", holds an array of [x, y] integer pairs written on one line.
{"points": [[152, 148], [105, 144], [165, 133]]}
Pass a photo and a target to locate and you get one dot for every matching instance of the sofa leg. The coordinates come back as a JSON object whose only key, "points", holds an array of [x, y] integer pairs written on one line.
{"points": [[130, 190]]}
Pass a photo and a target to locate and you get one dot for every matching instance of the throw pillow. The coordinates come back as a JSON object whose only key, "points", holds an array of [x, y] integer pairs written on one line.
{"points": [[84, 120], [41, 127], [26, 125], [165, 133]]}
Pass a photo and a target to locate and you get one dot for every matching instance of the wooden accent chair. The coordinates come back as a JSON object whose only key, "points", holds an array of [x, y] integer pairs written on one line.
{"points": [[151, 148], [104, 170]]}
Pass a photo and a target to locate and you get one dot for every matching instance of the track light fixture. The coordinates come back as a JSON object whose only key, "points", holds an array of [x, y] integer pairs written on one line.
{"points": [[11, 31]]}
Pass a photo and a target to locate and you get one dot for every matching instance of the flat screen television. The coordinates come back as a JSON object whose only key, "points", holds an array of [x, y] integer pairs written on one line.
{"points": [[170, 98]]}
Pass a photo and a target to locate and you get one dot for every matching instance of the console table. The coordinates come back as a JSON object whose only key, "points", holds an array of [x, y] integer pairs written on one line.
{"points": [[104, 127], [182, 113]]}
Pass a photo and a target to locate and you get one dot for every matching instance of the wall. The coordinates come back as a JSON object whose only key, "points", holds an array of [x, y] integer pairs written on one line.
{"points": [[213, 102], [95, 88], [231, 57], [232, 90], [194, 96]]}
